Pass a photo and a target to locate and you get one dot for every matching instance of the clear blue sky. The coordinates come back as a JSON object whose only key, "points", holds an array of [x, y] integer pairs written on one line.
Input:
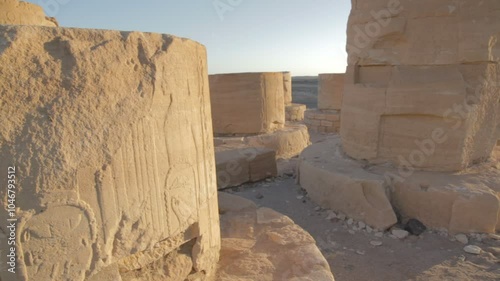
{"points": [[306, 37]]}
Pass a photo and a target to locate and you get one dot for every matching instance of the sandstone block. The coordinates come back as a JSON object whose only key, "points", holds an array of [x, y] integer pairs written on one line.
{"points": [[466, 202], [322, 121], [406, 32], [397, 123], [287, 143], [262, 244], [295, 112], [13, 12], [247, 103], [341, 185], [111, 138], [287, 88], [331, 91], [238, 166], [422, 83]]}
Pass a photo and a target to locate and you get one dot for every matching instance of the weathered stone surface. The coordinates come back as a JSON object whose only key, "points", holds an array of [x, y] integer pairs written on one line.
{"points": [[287, 143], [247, 103], [270, 247], [295, 112], [14, 12], [341, 184], [330, 91], [466, 202], [241, 165], [111, 136], [322, 121], [426, 32], [422, 84], [287, 88]]}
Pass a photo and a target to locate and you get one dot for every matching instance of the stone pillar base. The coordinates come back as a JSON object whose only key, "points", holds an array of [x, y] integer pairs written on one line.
{"points": [[465, 202]]}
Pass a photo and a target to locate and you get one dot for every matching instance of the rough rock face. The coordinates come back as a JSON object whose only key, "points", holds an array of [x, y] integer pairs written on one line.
{"points": [[111, 138], [330, 91], [422, 84], [287, 88], [247, 103], [295, 112], [262, 244], [22, 13]]}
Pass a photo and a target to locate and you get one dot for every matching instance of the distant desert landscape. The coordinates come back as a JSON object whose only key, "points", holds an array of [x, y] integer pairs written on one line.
{"points": [[305, 90]]}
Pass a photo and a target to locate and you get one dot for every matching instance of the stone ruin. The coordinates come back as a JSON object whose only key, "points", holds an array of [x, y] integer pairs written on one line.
{"points": [[248, 111], [114, 168], [294, 112], [24, 13], [420, 117], [113, 158], [326, 119]]}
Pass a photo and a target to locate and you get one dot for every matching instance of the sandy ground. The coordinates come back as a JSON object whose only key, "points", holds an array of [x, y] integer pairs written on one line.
{"points": [[431, 256]]}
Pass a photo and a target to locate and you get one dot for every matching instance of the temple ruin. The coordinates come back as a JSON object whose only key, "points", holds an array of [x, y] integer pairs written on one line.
{"points": [[419, 118], [248, 110], [326, 119]]}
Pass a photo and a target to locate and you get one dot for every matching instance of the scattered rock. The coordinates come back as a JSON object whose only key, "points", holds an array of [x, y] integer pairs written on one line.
{"points": [[331, 215], [300, 197], [359, 252], [350, 221], [317, 209], [369, 229], [461, 258], [259, 196], [495, 251], [376, 243], [494, 236], [352, 232], [379, 234], [462, 238], [399, 233], [361, 225], [415, 227], [341, 217], [471, 249]]}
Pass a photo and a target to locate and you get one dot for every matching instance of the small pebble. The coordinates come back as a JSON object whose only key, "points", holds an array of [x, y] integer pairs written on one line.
{"points": [[376, 243], [462, 239], [379, 234], [259, 196], [399, 233], [361, 225], [350, 221], [352, 232], [359, 252], [471, 249]]}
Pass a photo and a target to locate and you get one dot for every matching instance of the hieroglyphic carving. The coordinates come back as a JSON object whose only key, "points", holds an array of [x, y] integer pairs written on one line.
{"points": [[116, 164]]}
